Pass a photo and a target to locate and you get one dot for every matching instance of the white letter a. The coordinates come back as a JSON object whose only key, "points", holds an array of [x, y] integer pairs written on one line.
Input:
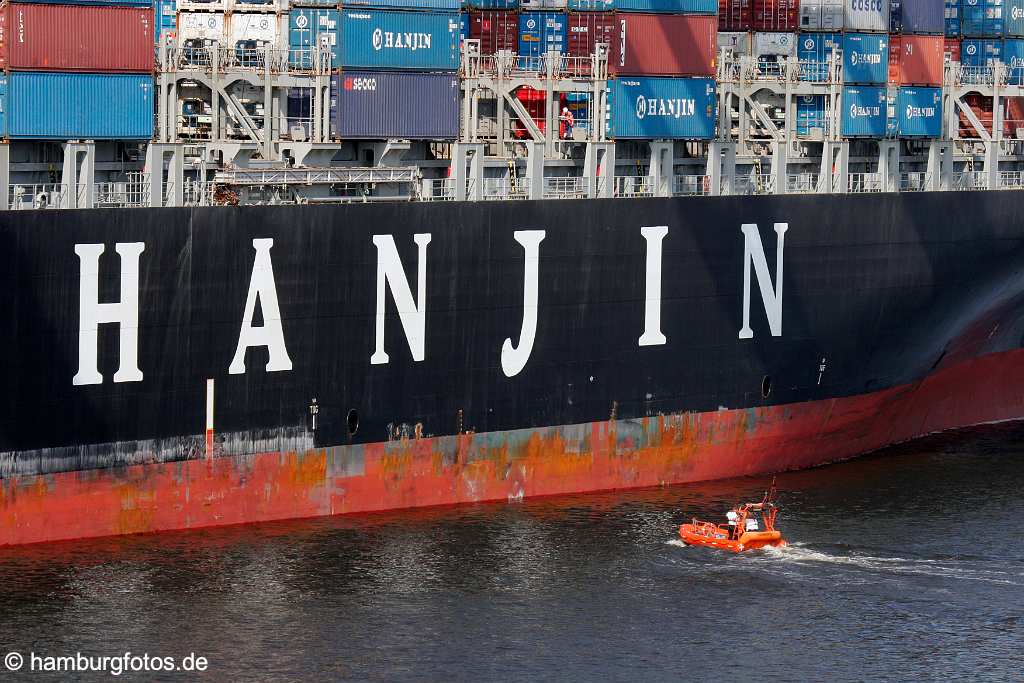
{"points": [[270, 334]]}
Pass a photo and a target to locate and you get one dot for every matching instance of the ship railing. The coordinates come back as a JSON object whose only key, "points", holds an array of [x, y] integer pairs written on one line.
{"points": [[970, 180], [861, 183], [258, 58], [636, 186], [1011, 180], [915, 181], [196, 192], [131, 193], [437, 190], [691, 185], [976, 75], [39, 196], [814, 71], [754, 183], [506, 188], [566, 187], [801, 183]]}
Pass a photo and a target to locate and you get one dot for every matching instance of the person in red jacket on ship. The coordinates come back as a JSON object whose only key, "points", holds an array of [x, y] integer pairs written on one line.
{"points": [[567, 121]]}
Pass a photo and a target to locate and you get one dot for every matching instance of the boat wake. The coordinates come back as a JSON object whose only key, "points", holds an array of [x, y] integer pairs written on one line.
{"points": [[677, 542]]}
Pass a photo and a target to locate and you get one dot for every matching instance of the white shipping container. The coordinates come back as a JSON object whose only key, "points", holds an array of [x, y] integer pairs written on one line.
{"points": [[738, 42], [200, 26], [255, 31], [233, 6], [866, 15], [543, 4], [774, 44], [821, 15]]}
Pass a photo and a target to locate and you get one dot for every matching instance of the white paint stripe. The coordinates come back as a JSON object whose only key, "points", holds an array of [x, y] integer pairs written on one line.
{"points": [[209, 405]]}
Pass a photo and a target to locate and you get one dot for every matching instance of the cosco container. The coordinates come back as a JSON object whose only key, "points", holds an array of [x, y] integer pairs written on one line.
{"points": [[664, 45], [1013, 57], [774, 44], [866, 15], [414, 5], [310, 28], [590, 5], [586, 30], [925, 17], [981, 18], [916, 60], [166, 21], [542, 32], [952, 14], [382, 39], [668, 6], [735, 15], [775, 15], [917, 112], [814, 53], [67, 106], [864, 110], [256, 31], [810, 116], [865, 58], [75, 38], [821, 15], [394, 104], [661, 108], [1013, 18], [740, 42], [495, 31]]}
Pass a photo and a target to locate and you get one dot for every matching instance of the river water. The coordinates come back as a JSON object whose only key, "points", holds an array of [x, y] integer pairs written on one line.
{"points": [[904, 565]]}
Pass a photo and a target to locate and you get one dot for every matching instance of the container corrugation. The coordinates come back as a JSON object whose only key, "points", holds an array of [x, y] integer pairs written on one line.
{"points": [[107, 3], [740, 42], [821, 15], [493, 4], [664, 45], [774, 44], [591, 5], [311, 27], [1013, 18], [776, 15], [661, 108], [923, 17], [917, 112], [1013, 57], [587, 29], [497, 30], [814, 52], [981, 18], [668, 6], [257, 31], [980, 51], [542, 32], [66, 106], [166, 19], [394, 104], [75, 38], [916, 60], [866, 15], [952, 15], [865, 58], [864, 111], [383, 39], [411, 5], [735, 15], [810, 114]]}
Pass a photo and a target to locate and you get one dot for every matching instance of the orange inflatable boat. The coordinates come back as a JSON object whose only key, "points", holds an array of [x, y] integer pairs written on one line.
{"points": [[749, 526]]}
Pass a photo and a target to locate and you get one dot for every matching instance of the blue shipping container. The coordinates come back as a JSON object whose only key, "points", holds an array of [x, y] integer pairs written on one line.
{"points": [[1013, 57], [952, 12], [667, 6], [661, 108], [591, 5], [309, 28], [981, 18], [814, 51], [980, 52], [1013, 18], [394, 104], [918, 112], [864, 111], [810, 113], [919, 17], [435, 5], [383, 39], [493, 4], [541, 32], [166, 22], [865, 58], [66, 106]]}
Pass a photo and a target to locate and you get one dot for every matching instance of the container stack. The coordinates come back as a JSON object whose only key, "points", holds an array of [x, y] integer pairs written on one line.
{"points": [[763, 28], [495, 23], [916, 48], [865, 44], [76, 72], [662, 64]]}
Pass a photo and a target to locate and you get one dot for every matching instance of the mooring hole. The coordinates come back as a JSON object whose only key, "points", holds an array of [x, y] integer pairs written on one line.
{"points": [[766, 386], [353, 422]]}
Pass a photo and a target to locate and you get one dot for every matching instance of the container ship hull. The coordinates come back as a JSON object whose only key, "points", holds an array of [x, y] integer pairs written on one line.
{"points": [[181, 368]]}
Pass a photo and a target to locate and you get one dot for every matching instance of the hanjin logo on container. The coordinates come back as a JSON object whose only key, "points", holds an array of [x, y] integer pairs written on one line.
{"points": [[1015, 13], [917, 112], [378, 39], [672, 107], [301, 21]]}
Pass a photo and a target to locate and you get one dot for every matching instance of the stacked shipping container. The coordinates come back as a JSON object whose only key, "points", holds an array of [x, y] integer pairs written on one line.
{"points": [[76, 71]]}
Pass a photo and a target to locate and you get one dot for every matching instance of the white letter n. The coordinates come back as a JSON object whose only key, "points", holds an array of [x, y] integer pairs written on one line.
{"points": [[771, 296], [412, 314], [270, 334], [92, 313]]}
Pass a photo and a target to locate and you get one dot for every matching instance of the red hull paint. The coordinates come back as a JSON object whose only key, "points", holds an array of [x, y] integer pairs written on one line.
{"points": [[502, 466]]}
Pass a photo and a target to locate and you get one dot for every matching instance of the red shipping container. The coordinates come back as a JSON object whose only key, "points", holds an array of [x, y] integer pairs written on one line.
{"points": [[1013, 117], [915, 60], [496, 30], [952, 48], [76, 38], [775, 15], [664, 45], [735, 15], [981, 107], [587, 29]]}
